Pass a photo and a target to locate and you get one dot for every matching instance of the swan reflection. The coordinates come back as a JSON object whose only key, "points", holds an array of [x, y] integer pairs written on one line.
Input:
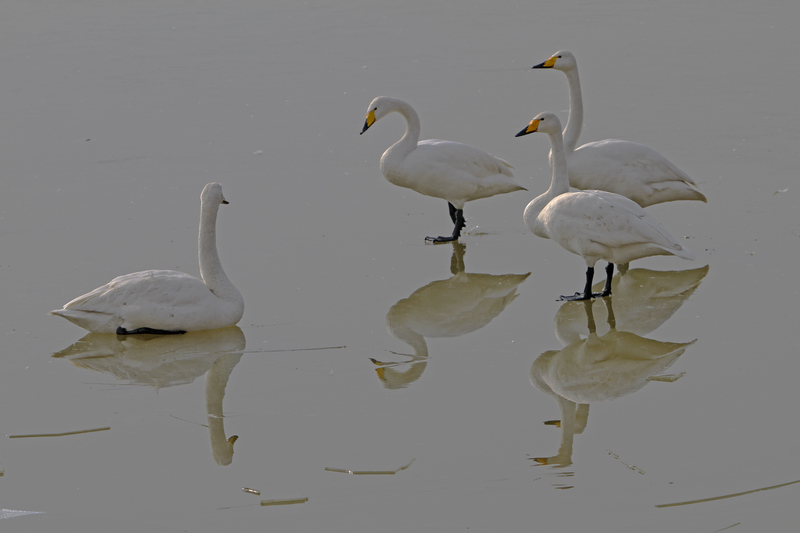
{"points": [[452, 307], [643, 300], [597, 368], [164, 361]]}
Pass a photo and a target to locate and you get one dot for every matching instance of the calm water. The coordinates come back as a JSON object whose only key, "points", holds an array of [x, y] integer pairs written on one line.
{"points": [[363, 349]]}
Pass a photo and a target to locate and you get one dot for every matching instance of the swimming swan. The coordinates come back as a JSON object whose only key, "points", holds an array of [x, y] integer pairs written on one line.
{"points": [[627, 168], [449, 170], [165, 301], [593, 224]]}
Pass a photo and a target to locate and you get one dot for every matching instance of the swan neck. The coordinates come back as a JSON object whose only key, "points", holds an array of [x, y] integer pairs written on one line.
{"points": [[210, 265], [572, 131], [559, 182], [408, 142]]}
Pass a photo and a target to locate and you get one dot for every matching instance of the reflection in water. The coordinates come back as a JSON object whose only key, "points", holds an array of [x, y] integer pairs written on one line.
{"points": [[597, 368], [163, 361], [445, 308], [643, 300]]}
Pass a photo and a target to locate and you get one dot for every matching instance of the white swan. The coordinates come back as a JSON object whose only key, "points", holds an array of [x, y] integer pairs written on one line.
{"points": [[165, 301], [593, 224], [449, 170], [627, 168]]}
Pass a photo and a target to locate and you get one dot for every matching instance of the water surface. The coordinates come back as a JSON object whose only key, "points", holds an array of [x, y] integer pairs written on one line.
{"points": [[361, 348]]}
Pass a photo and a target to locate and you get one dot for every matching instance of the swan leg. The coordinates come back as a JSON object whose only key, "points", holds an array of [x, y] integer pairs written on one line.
{"points": [[453, 210], [609, 275], [147, 331], [459, 224]]}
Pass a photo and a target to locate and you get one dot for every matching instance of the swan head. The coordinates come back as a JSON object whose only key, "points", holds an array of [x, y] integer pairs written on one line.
{"points": [[379, 108], [212, 195], [544, 123], [561, 60]]}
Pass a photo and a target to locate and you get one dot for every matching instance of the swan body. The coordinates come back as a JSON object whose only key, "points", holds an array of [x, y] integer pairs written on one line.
{"points": [[593, 224], [624, 167], [165, 301], [452, 171]]}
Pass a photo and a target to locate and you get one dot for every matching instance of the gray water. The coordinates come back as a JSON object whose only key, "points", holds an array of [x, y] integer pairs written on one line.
{"points": [[348, 357]]}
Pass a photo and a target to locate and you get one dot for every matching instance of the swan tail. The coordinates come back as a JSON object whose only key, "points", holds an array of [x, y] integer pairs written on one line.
{"points": [[91, 321], [682, 252]]}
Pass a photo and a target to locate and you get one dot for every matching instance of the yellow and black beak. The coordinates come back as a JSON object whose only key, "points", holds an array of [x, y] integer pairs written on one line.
{"points": [[533, 126], [550, 63], [369, 122]]}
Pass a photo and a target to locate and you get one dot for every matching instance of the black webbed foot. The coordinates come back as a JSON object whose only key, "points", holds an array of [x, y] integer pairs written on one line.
{"points": [[578, 297], [587, 293], [147, 331], [458, 219], [440, 239]]}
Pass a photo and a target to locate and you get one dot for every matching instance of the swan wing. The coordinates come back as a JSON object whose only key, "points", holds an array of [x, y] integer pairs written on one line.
{"points": [[454, 171], [459, 156], [162, 299], [608, 219], [632, 170]]}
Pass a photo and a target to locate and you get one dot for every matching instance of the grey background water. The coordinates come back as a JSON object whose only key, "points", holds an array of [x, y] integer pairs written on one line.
{"points": [[114, 116]]}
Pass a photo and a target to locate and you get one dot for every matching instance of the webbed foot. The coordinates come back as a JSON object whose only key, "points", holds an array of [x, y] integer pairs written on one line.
{"points": [[147, 331]]}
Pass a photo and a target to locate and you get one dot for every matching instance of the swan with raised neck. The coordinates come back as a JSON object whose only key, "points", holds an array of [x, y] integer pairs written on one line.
{"points": [[631, 169], [165, 301]]}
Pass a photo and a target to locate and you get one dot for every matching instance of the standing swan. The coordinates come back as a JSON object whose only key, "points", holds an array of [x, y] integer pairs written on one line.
{"points": [[165, 301], [593, 224], [449, 170], [627, 168]]}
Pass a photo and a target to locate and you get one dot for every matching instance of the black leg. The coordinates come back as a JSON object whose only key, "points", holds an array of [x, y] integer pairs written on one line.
{"points": [[609, 275], [459, 223], [147, 331], [453, 210], [587, 290]]}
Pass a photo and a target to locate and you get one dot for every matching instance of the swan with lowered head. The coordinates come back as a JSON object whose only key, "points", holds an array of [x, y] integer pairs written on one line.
{"points": [[165, 301], [455, 172], [624, 167], [593, 224]]}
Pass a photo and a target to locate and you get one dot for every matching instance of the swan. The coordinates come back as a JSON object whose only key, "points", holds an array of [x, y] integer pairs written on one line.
{"points": [[452, 171], [165, 301], [624, 167], [593, 224]]}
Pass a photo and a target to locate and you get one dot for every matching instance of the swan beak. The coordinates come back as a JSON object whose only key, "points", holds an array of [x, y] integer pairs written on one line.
{"points": [[550, 63], [369, 122], [532, 127], [224, 201]]}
